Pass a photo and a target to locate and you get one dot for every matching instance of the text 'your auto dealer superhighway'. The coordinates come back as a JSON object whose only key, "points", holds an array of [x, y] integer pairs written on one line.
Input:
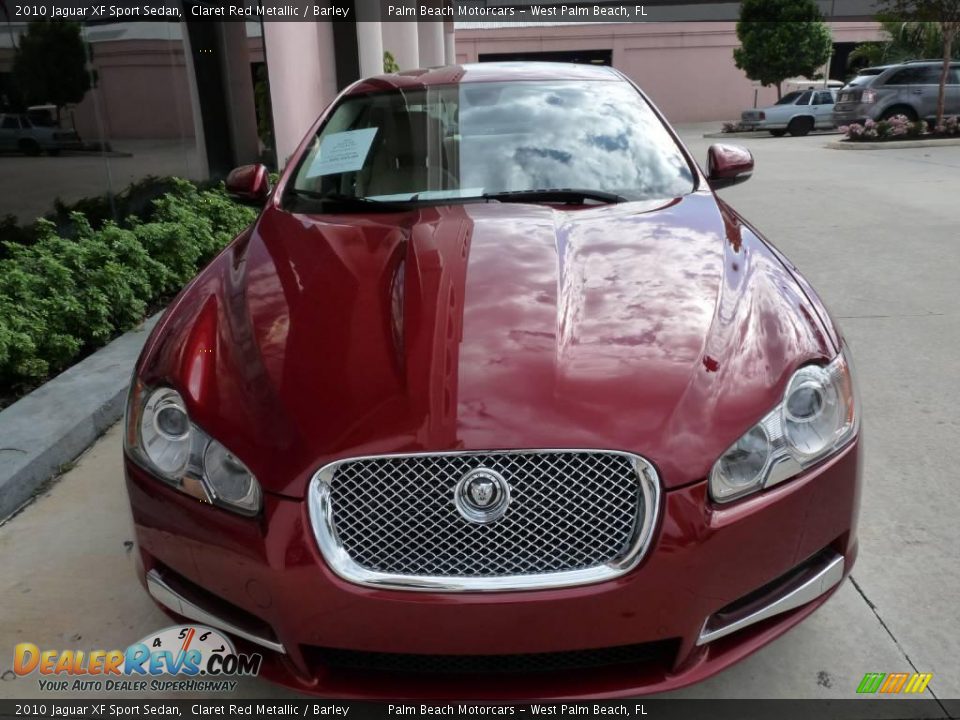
{"points": [[557, 710]]}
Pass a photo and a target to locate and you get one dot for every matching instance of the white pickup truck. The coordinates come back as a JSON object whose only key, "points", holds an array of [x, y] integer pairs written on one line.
{"points": [[19, 133], [796, 113]]}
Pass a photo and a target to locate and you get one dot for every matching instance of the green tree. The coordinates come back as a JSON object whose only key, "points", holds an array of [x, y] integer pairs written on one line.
{"points": [[927, 16], [902, 41], [780, 39], [50, 65], [390, 63]]}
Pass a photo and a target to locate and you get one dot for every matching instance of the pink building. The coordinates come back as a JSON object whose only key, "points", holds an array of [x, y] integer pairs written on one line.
{"points": [[192, 83], [685, 67]]}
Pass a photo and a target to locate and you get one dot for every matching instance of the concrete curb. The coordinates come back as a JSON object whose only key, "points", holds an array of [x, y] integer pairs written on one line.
{"points": [[763, 134], [45, 430], [891, 144]]}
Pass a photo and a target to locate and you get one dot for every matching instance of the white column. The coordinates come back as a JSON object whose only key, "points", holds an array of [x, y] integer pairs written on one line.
{"points": [[449, 44], [430, 39], [400, 40], [370, 47], [303, 80], [235, 60]]}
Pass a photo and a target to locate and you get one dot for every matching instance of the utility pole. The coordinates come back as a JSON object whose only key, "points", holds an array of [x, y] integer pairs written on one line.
{"points": [[826, 72]]}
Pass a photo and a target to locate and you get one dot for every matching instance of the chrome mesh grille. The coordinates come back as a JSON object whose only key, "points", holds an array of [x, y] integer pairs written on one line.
{"points": [[568, 511]]}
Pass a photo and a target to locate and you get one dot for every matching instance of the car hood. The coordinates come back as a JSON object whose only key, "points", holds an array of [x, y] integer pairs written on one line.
{"points": [[664, 329]]}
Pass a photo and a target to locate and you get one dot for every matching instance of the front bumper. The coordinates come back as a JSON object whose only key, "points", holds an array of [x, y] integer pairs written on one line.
{"points": [[708, 569]]}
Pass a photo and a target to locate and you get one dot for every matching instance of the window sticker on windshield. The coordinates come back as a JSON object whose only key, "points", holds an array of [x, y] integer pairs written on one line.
{"points": [[342, 152]]}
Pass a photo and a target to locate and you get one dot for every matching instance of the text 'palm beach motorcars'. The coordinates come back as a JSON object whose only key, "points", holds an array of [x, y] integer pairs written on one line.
{"points": [[495, 386]]}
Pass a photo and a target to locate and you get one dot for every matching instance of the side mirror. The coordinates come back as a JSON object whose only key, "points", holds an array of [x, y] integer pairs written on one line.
{"points": [[249, 184], [728, 165]]}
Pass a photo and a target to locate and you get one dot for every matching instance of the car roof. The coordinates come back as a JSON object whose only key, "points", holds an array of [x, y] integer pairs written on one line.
{"points": [[878, 69], [485, 72]]}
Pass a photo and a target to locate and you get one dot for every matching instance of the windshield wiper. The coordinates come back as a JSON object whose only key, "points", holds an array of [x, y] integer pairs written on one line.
{"points": [[564, 195], [349, 201]]}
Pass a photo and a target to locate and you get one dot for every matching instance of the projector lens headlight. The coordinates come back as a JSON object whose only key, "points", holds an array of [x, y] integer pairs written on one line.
{"points": [[817, 417], [165, 432], [741, 468], [161, 439], [229, 479]]}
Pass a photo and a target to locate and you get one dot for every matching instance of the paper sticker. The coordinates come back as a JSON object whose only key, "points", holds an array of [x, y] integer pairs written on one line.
{"points": [[342, 152]]}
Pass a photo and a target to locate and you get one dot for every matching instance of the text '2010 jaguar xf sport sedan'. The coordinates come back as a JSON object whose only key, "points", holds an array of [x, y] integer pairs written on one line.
{"points": [[495, 386]]}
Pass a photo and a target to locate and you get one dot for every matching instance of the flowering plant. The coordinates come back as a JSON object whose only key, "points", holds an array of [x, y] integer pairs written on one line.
{"points": [[898, 127], [732, 127], [949, 126]]}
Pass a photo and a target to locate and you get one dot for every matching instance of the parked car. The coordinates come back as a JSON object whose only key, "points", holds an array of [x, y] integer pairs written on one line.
{"points": [[495, 399], [909, 89], [17, 132], [796, 113]]}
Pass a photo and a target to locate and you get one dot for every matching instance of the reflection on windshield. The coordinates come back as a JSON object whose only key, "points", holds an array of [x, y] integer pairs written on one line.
{"points": [[470, 140]]}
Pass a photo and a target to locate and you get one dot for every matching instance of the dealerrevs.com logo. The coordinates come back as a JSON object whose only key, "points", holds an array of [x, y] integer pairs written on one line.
{"points": [[199, 659], [893, 683]]}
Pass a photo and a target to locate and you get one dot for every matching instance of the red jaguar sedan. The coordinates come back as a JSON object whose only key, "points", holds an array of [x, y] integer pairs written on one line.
{"points": [[495, 387]]}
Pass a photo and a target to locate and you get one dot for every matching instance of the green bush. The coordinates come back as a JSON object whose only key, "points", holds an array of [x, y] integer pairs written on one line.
{"points": [[61, 297], [136, 201]]}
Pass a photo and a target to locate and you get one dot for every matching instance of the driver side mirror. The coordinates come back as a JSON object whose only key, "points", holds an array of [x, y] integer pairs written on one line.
{"points": [[249, 184], [728, 165]]}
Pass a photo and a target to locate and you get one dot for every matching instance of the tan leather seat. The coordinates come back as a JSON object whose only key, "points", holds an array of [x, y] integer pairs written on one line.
{"points": [[407, 156]]}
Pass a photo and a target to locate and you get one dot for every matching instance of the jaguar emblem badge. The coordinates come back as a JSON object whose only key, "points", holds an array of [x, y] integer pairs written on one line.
{"points": [[482, 495], [481, 491]]}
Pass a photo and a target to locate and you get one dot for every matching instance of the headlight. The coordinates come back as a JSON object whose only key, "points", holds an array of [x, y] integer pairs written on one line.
{"points": [[161, 439], [817, 417]]}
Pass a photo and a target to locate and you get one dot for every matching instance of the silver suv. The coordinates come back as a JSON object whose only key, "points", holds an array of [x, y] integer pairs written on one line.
{"points": [[910, 89]]}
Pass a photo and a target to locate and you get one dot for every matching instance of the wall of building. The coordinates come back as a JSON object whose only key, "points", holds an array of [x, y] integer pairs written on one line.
{"points": [[143, 90], [685, 67]]}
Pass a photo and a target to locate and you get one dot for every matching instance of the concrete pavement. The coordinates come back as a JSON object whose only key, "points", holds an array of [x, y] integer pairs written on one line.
{"points": [[877, 235], [28, 185]]}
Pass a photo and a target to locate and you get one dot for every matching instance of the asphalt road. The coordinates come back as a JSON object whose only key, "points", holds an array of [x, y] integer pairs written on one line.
{"points": [[878, 234]]}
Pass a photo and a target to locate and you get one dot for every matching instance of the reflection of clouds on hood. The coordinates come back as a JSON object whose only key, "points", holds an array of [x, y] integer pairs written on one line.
{"points": [[601, 136]]}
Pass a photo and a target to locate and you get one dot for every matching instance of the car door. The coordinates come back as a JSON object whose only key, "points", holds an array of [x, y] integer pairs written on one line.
{"points": [[916, 87], [929, 90], [822, 108], [904, 88], [951, 103], [802, 105], [9, 132]]}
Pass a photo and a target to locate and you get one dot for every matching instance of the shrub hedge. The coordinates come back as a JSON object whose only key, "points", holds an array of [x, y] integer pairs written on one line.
{"points": [[62, 297]]}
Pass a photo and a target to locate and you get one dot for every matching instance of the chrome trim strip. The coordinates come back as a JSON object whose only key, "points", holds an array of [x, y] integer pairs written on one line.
{"points": [[321, 519], [825, 577], [171, 599]]}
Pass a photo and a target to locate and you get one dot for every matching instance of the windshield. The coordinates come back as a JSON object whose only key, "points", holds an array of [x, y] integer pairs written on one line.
{"points": [[474, 140]]}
